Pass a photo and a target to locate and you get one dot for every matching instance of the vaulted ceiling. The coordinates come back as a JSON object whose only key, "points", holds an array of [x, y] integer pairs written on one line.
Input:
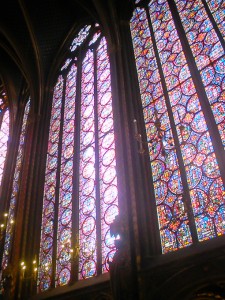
{"points": [[31, 36]]}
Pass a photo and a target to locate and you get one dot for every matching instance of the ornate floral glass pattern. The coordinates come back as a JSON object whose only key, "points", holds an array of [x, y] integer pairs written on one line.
{"points": [[80, 38], [209, 55], [63, 263], [48, 213], [87, 186], [4, 135], [172, 110], [83, 199], [217, 8], [15, 188], [107, 157]]}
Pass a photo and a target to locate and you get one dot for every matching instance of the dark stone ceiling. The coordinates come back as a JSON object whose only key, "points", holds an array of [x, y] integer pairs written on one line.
{"points": [[32, 32]]}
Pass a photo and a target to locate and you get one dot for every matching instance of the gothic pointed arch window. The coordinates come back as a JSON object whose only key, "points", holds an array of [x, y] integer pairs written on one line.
{"points": [[4, 129], [179, 53], [10, 215], [80, 191]]}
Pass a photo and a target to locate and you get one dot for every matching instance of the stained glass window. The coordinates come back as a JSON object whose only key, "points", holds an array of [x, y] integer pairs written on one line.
{"points": [[80, 191], [4, 135], [4, 129], [217, 8], [15, 189], [180, 63]]}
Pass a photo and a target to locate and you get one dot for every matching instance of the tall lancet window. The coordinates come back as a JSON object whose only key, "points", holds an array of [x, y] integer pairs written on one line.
{"points": [[80, 191], [179, 52], [15, 189], [4, 129]]}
